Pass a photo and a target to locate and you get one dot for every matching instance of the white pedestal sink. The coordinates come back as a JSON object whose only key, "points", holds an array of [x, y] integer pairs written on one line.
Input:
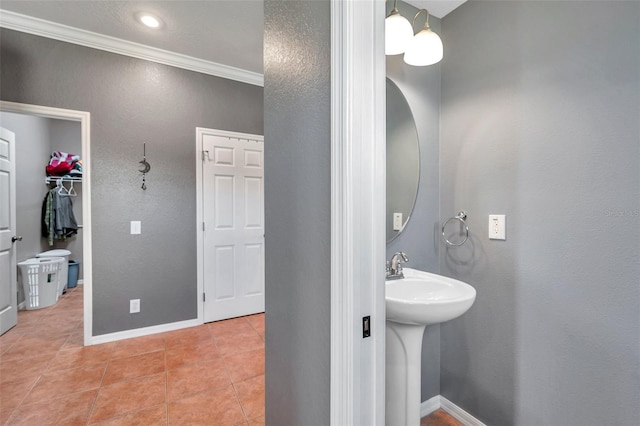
{"points": [[412, 303]]}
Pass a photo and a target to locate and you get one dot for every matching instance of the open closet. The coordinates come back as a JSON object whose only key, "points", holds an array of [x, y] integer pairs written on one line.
{"points": [[38, 141]]}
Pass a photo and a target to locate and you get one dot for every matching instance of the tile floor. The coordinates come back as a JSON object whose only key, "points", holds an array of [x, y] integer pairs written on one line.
{"points": [[439, 418], [207, 375], [210, 375]]}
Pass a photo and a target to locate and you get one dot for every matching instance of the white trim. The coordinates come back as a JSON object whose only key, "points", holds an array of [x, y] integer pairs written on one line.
{"points": [[145, 331], [357, 211], [429, 406], [462, 416], [85, 127], [81, 282], [200, 132], [52, 30], [432, 404]]}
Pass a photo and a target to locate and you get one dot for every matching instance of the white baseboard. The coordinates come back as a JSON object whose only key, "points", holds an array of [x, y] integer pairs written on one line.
{"points": [[429, 406], [145, 331], [80, 282], [432, 404], [22, 306]]}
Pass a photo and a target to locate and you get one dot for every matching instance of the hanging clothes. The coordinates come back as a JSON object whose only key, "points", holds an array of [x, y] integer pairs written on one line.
{"points": [[58, 220]]}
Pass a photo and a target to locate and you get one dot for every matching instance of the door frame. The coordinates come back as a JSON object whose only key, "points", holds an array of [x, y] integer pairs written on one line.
{"points": [[200, 132], [85, 128], [358, 174]]}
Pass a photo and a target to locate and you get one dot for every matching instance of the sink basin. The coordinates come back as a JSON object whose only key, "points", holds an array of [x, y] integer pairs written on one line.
{"points": [[426, 298], [412, 303]]}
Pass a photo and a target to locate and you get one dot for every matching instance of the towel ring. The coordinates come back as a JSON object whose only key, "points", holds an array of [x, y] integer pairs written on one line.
{"points": [[462, 217]]}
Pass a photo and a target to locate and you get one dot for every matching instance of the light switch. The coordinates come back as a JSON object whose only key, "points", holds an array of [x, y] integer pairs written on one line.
{"points": [[136, 227], [497, 228], [397, 221]]}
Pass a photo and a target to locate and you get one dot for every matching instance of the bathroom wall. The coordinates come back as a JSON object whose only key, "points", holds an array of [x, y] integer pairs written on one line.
{"points": [[420, 239], [540, 106], [297, 89], [133, 101]]}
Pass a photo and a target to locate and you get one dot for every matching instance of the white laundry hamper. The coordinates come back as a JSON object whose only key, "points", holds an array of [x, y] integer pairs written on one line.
{"points": [[40, 279], [64, 272]]}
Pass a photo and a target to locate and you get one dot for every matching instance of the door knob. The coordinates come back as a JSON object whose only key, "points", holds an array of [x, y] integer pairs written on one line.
{"points": [[16, 238]]}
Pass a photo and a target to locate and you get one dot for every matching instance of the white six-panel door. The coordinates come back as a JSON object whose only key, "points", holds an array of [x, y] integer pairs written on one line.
{"points": [[233, 216], [8, 294]]}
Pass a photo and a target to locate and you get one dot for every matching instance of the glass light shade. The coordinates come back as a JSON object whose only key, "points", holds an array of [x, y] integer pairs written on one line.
{"points": [[424, 49], [397, 34]]}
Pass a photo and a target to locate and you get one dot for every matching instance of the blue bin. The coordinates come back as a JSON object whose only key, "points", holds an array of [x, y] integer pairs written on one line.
{"points": [[72, 279]]}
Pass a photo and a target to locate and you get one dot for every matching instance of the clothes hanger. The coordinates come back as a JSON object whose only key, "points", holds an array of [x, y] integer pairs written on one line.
{"points": [[62, 190], [71, 192]]}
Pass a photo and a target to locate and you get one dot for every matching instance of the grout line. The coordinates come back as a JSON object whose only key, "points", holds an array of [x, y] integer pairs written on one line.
{"points": [[244, 413]]}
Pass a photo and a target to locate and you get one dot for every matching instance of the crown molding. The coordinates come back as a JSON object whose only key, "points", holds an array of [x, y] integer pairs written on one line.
{"points": [[52, 30]]}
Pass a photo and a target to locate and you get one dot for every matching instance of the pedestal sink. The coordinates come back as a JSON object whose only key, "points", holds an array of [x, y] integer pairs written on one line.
{"points": [[412, 303]]}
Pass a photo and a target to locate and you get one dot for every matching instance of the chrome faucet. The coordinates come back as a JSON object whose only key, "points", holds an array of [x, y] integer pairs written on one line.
{"points": [[394, 266]]}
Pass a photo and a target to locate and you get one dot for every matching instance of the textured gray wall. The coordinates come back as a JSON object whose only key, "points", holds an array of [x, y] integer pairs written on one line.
{"points": [[421, 88], [132, 101], [540, 106], [297, 211]]}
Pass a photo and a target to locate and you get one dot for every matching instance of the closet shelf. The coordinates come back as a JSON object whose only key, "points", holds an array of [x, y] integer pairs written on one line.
{"points": [[50, 179]]}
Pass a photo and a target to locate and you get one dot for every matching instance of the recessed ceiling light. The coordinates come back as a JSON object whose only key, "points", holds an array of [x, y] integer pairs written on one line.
{"points": [[149, 20]]}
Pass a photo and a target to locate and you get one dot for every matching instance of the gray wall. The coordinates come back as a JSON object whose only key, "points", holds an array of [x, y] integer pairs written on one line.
{"points": [[421, 88], [132, 101], [540, 106], [298, 211]]}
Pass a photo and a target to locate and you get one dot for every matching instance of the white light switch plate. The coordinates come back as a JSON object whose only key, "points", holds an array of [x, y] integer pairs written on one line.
{"points": [[397, 221], [134, 306], [136, 227], [497, 227]]}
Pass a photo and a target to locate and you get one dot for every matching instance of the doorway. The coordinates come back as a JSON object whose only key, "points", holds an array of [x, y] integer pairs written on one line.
{"points": [[83, 119], [230, 209]]}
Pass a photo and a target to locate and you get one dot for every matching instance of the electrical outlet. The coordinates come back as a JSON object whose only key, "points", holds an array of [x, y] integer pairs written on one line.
{"points": [[134, 306], [397, 221], [497, 227], [136, 227]]}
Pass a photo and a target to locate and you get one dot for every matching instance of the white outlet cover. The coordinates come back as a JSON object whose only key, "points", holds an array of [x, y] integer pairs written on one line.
{"points": [[397, 221], [136, 227], [497, 227]]}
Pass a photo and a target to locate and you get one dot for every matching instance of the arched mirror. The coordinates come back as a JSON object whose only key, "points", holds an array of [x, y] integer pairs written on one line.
{"points": [[403, 161]]}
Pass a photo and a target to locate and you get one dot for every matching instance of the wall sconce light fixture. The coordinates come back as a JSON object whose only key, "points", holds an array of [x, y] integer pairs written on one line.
{"points": [[425, 48], [398, 32]]}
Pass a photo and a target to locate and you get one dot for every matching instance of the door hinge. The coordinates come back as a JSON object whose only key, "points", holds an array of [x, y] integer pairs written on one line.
{"points": [[203, 226], [366, 326], [204, 297], [205, 154]]}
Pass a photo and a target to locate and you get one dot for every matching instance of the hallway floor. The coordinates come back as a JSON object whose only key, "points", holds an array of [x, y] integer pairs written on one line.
{"points": [[210, 374]]}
